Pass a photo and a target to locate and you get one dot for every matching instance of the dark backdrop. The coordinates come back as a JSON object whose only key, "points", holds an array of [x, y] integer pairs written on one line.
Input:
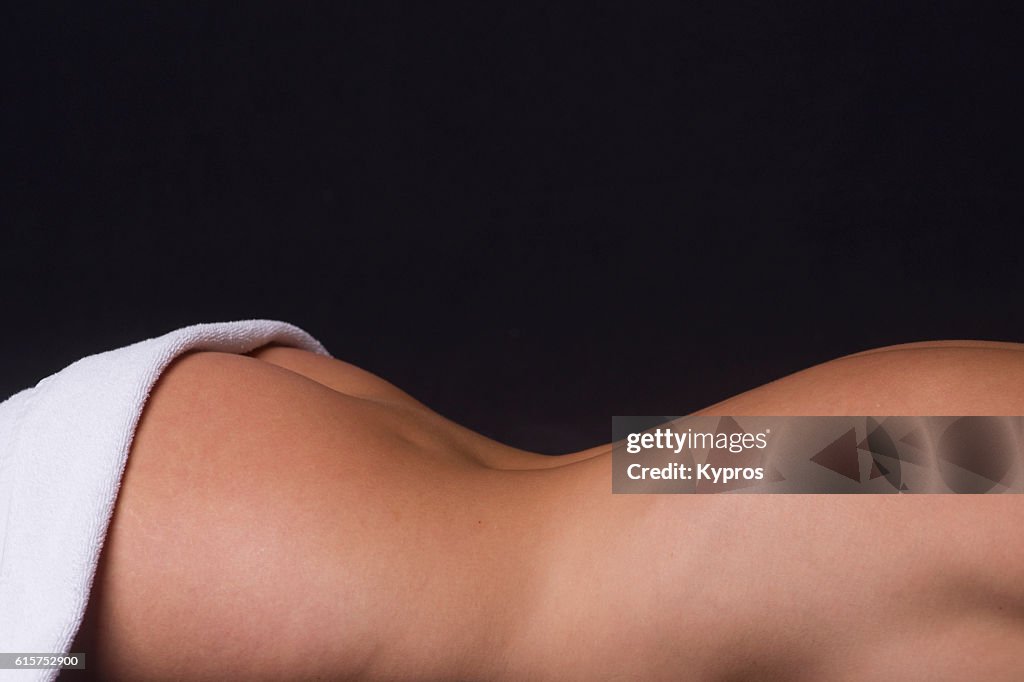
{"points": [[530, 217]]}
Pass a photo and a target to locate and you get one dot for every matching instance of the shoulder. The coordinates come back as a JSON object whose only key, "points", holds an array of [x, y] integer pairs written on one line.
{"points": [[925, 380]]}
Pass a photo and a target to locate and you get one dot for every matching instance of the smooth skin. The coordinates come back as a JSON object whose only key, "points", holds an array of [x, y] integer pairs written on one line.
{"points": [[285, 515]]}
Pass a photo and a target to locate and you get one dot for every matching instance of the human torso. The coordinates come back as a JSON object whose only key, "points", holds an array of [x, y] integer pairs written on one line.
{"points": [[509, 565], [543, 573]]}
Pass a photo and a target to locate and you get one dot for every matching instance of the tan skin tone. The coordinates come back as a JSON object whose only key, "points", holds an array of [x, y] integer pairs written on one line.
{"points": [[289, 516]]}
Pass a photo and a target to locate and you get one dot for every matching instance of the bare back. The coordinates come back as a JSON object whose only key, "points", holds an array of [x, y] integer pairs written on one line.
{"points": [[288, 515]]}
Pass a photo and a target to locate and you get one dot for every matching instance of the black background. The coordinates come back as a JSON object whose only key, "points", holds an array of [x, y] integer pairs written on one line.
{"points": [[530, 217]]}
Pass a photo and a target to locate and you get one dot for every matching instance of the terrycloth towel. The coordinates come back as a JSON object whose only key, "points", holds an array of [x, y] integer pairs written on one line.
{"points": [[63, 448]]}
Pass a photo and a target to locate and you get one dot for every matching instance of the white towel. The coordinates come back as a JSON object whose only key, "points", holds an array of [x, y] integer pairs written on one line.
{"points": [[63, 448]]}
